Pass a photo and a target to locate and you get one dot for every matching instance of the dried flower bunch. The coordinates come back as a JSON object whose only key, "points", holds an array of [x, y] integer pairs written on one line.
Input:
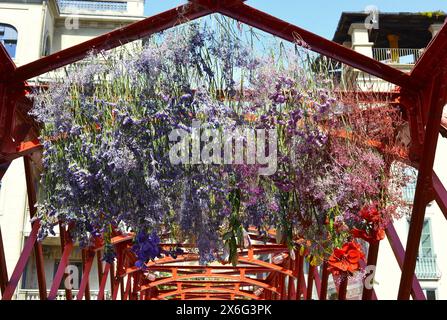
{"points": [[106, 150]]}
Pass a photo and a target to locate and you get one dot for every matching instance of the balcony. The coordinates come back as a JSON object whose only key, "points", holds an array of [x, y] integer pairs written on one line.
{"points": [[33, 294], [409, 192], [87, 6], [427, 269], [398, 56]]}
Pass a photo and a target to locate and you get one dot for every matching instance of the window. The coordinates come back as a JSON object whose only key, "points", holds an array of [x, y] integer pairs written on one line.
{"points": [[430, 294], [8, 37], [47, 46], [426, 246]]}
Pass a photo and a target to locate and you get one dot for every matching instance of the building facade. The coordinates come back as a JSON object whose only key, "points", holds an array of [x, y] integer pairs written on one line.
{"points": [[400, 39], [29, 30], [35, 28]]}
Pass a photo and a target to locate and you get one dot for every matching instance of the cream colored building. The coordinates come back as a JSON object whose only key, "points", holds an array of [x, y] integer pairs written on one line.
{"points": [[34, 28], [31, 29], [400, 41]]}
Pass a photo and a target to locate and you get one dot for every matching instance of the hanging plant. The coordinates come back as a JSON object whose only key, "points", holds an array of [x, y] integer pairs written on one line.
{"points": [[119, 150]]}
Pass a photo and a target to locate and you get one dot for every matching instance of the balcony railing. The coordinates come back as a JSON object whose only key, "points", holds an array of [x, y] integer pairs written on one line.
{"points": [[79, 6], [427, 269], [409, 192], [33, 294], [397, 56]]}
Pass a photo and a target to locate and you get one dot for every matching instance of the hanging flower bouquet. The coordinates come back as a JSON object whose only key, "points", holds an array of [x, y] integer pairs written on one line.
{"points": [[132, 142]]}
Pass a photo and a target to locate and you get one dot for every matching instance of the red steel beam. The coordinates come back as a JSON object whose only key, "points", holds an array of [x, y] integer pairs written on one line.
{"points": [[440, 194], [21, 263], [7, 66], [310, 282], [99, 266], [38, 253], [128, 288], [83, 287], [64, 240], [324, 281], [291, 292], [373, 253], [399, 253], [317, 281], [3, 268], [301, 285], [289, 32], [343, 288], [435, 97], [433, 57], [103, 282], [60, 273], [110, 40]]}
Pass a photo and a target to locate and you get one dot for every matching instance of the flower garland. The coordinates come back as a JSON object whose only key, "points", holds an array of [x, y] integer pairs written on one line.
{"points": [[107, 161]]}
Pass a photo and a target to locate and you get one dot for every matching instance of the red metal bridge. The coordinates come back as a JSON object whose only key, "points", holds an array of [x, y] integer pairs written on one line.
{"points": [[422, 95]]}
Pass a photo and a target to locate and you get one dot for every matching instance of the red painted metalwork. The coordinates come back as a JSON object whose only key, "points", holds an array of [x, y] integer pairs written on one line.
{"points": [[310, 282], [3, 268], [60, 273], [20, 266], [103, 282], [324, 282], [435, 97], [343, 288], [373, 253], [399, 253], [83, 287], [31, 192], [440, 194], [422, 94]]}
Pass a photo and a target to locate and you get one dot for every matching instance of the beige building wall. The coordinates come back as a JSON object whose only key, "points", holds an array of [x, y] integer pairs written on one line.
{"points": [[388, 271], [40, 24]]}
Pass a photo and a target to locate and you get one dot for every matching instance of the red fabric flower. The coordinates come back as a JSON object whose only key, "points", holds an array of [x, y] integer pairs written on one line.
{"points": [[347, 259], [371, 214], [373, 230], [374, 235]]}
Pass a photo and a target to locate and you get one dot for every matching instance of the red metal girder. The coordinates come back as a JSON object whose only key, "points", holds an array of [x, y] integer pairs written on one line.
{"points": [[291, 292], [176, 278], [103, 281], [317, 281], [60, 273], [64, 237], [399, 253], [373, 253], [324, 281], [434, 56], [99, 266], [270, 266], [7, 66], [3, 268], [440, 194], [117, 283], [83, 287], [343, 288], [436, 99], [299, 275], [27, 147], [110, 40], [223, 290], [310, 282], [289, 32], [128, 288], [21, 263], [32, 199]]}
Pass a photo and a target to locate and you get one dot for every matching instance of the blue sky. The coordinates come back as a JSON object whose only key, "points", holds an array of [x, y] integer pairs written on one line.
{"points": [[318, 16]]}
